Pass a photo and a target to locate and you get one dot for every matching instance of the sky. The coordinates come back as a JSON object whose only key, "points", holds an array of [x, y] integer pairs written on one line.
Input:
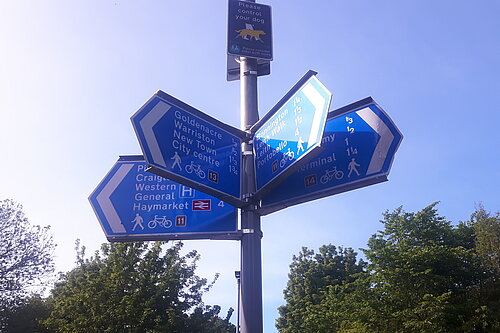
{"points": [[73, 72]]}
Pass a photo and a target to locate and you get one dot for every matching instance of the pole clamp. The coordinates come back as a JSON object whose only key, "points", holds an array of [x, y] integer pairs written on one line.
{"points": [[247, 195], [248, 137], [247, 73], [250, 206]]}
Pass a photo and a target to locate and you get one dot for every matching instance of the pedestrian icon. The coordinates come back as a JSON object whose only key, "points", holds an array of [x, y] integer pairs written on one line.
{"points": [[177, 161], [352, 167], [299, 145], [138, 222]]}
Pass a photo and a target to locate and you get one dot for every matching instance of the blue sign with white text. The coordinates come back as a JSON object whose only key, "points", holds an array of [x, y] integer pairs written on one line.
{"points": [[249, 30], [189, 147], [294, 130], [133, 204], [359, 145]]}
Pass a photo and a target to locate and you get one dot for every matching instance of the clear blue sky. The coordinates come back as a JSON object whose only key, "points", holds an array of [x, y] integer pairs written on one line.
{"points": [[72, 73]]}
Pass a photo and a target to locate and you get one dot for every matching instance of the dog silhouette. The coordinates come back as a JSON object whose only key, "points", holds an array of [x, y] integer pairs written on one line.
{"points": [[245, 33]]}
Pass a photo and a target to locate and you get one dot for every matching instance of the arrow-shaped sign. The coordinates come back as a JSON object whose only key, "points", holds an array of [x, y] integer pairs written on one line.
{"points": [[133, 204], [190, 147], [291, 131], [359, 143]]}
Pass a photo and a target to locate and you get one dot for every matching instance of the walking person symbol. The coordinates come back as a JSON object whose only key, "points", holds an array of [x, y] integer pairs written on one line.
{"points": [[138, 222], [352, 167], [299, 145], [177, 161]]}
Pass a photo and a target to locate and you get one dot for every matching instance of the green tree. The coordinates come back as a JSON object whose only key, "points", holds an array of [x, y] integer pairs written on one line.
{"points": [[487, 236], [29, 316], [486, 229], [206, 319], [311, 276], [425, 272], [424, 275], [26, 258], [133, 287]]}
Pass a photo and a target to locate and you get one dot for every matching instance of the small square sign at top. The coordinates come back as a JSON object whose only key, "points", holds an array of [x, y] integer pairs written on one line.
{"points": [[249, 30]]}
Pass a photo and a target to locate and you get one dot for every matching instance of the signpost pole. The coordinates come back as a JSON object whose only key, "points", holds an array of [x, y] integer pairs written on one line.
{"points": [[251, 266]]}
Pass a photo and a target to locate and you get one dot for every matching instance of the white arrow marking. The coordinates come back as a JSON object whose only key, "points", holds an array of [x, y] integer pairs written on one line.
{"points": [[386, 137], [318, 102], [147, 124], [104, 198]]}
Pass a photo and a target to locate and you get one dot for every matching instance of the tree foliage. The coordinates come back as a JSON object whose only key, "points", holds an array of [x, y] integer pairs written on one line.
{"points": [[26, 257], [311, 276], [423, 275], [423, 271], [134, 287], [487, 233], [29, 316], [487, 244]]}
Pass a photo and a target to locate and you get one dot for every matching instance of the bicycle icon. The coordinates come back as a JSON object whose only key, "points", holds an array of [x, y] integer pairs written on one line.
{"points": [[161, 221], [196, 168], [330, 174], [288, 155]]}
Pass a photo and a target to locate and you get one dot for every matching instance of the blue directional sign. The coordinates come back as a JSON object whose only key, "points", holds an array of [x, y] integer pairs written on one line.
{"points": [[249, 30], [133, 204], [190, 147], [359, 143], [291, 131]]}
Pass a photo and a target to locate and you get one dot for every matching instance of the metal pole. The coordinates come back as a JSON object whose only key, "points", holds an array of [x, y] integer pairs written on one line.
{"points": [[251, 266], [237, 275]]}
